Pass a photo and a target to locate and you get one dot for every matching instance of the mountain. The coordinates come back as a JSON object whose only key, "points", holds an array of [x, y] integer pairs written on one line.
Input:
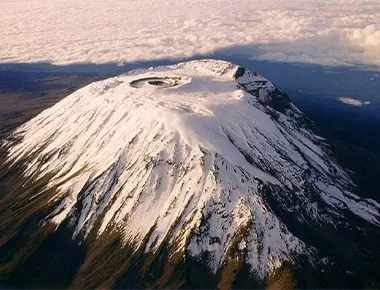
{"points": [[197, 175]]}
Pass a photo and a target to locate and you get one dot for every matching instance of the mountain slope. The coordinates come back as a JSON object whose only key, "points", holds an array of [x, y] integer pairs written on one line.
{"points": [[204, 160]]}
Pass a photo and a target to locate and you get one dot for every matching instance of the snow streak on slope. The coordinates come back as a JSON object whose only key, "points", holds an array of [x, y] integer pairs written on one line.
{"points": [[185, 153]]}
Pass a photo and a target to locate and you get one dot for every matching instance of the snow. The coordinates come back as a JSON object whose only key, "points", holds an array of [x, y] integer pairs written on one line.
{"points": [[184, 158]]}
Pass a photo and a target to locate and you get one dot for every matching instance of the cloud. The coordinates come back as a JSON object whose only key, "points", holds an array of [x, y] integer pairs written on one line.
{"points": [[329, 32], [353, 102], [368, 36]]}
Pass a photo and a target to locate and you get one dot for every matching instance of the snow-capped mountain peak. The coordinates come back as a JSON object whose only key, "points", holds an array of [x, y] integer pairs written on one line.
{"points": [[196, 155]]}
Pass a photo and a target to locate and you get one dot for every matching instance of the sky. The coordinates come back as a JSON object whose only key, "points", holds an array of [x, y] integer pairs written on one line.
{"points": [[334, 32]]}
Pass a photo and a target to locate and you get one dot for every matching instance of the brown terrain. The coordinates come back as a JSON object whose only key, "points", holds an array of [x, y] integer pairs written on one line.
{"points": [[17, 105]]}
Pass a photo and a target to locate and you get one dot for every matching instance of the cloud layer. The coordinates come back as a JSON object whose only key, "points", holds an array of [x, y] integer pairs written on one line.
{"points": [[334, 32], [353, 102]]}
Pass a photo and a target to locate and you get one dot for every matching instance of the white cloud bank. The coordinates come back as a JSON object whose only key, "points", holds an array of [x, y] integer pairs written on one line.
{"points": [[353, 102], [330, 32]]}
